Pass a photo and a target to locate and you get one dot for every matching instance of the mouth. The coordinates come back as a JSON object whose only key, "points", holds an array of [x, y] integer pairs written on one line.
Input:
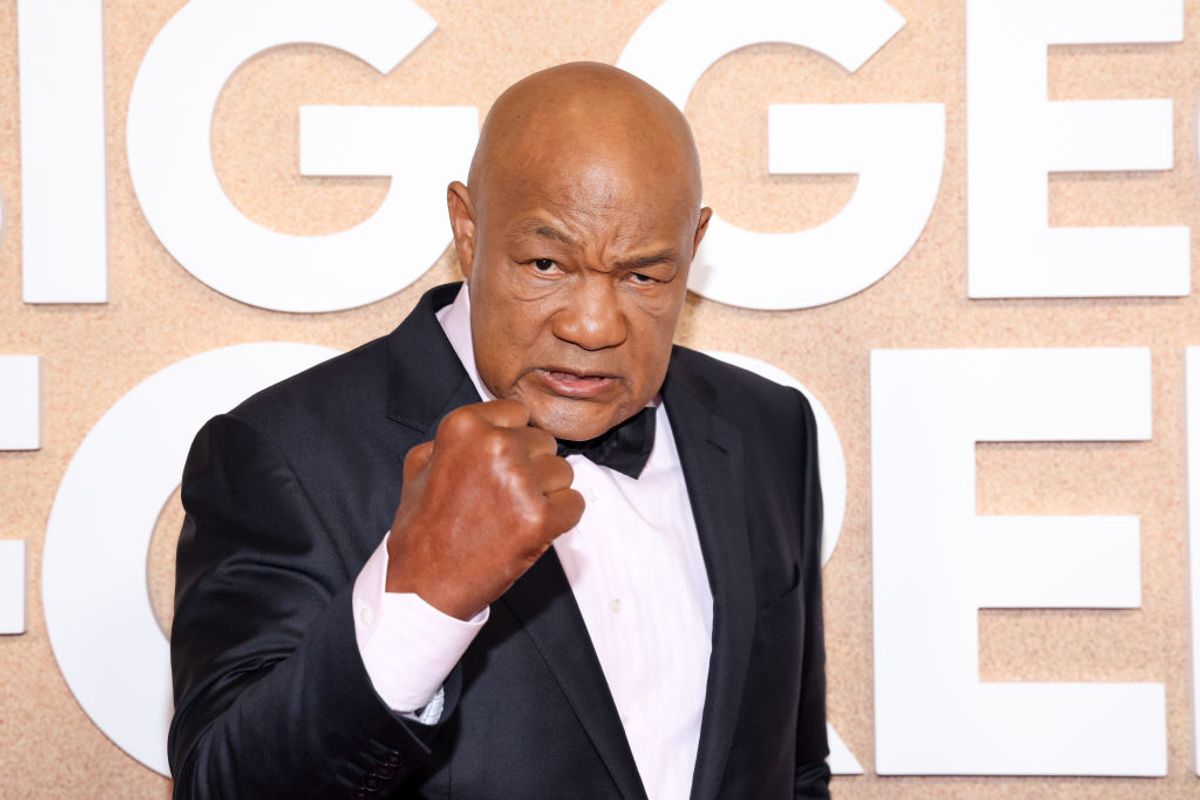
{"points": [[576, 384]]}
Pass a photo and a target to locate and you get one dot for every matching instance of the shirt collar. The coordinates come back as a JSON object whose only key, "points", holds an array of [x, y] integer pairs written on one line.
{"points": [[455, 320]]}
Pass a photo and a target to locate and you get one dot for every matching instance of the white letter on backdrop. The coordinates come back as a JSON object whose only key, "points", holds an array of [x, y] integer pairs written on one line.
{"points": [[832, 459], [20, 429], [1015, 137], [106, 640], [20, 403], [63, 189], [1193, 450], [12, 586], [170, 158], [832, 464], [937, 563], [896, 149]]}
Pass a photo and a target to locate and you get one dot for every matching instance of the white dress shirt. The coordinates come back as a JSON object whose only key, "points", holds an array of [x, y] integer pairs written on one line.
{"points": [[635, 567]]}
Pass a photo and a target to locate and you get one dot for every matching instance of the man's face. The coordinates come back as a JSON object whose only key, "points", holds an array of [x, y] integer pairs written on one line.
{"points": [[577, 278]]}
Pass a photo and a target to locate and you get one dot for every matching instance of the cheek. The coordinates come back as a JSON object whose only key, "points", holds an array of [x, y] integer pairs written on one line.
{"points": [[652, 338], [657, 316], [520, 323], [497, 353], [506, 334]]}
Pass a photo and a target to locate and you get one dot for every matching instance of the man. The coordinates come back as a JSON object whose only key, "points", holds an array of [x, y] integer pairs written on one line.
{"points": [[394, 581]]}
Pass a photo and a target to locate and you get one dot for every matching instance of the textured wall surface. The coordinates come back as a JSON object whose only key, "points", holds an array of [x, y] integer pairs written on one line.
{"points": [[158, 314]]}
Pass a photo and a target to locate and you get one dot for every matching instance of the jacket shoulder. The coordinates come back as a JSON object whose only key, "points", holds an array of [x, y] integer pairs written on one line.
{"points": [[776, 421], [739, 391], [330, 394]]}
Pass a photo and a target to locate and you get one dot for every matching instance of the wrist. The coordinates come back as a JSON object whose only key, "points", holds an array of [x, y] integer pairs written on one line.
{"points": [[460, 608]]}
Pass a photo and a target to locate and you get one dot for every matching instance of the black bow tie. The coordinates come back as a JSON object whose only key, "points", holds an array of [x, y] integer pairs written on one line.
{"points": [[625, 448]]}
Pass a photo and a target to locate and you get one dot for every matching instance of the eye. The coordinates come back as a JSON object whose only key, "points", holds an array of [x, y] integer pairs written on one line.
{"points": [[544, 265], [640, 279]]}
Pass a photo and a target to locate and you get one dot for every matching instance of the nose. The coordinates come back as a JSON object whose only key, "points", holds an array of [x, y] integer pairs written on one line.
{"points": [[593, 318]]}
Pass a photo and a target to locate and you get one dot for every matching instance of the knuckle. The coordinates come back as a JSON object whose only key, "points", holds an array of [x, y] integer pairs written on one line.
{"points": [[411, 458], [515, 409], [458, 423], [496, 443], [534, 516]]}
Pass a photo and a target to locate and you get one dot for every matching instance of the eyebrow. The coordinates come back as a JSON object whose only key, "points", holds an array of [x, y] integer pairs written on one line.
{"points": [[649, 260], [539, 228]]}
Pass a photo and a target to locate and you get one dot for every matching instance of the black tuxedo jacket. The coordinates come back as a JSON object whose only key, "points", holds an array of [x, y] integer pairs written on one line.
{"points": [[290, 493]]}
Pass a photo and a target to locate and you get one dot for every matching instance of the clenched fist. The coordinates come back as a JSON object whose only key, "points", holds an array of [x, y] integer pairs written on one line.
{"points": [[480, 504]]}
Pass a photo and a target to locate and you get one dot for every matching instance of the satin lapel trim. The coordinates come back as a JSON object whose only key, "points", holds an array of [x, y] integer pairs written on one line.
{"points": [[711, 453], [425, 377], [542, 600]]}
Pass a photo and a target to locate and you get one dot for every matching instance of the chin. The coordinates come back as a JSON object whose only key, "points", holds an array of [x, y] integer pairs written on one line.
{"points": [[574, 420]]}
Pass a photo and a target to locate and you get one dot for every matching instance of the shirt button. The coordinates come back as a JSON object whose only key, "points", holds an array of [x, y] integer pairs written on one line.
{"points": [[589, 495], [365, 616], [615, 605]]}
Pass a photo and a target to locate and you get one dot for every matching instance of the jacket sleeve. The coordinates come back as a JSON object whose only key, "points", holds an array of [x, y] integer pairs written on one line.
{"points": [[812, 746], [271, 696]]}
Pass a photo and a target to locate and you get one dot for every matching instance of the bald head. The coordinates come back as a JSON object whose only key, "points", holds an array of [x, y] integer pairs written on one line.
{"points": [[575, 233], [582, 113]]}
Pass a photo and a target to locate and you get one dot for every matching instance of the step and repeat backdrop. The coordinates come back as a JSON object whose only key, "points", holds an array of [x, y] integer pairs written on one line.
{"points": [[963, 227]]}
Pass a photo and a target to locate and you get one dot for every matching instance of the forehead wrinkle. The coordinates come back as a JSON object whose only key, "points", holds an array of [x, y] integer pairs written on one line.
{"points": [[622, 250], [532, 226]]}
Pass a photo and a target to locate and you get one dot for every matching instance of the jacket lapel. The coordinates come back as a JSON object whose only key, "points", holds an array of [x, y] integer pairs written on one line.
{"points": [[426, 380], [710, 450], [542, 600]]}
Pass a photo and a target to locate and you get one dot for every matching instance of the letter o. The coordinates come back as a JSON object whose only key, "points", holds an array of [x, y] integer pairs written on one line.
{"points": [[102, 628]]}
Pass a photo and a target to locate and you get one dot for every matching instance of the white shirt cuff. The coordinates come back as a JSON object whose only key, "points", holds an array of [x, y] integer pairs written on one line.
{"points": [[407, 646]]}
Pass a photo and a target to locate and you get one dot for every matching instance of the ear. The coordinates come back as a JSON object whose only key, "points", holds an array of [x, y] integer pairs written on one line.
{"points": [[701, 229], [462, 222]]}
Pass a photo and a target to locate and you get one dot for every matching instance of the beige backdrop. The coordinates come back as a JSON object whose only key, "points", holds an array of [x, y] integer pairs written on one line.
{"points": [[158, 314]]}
